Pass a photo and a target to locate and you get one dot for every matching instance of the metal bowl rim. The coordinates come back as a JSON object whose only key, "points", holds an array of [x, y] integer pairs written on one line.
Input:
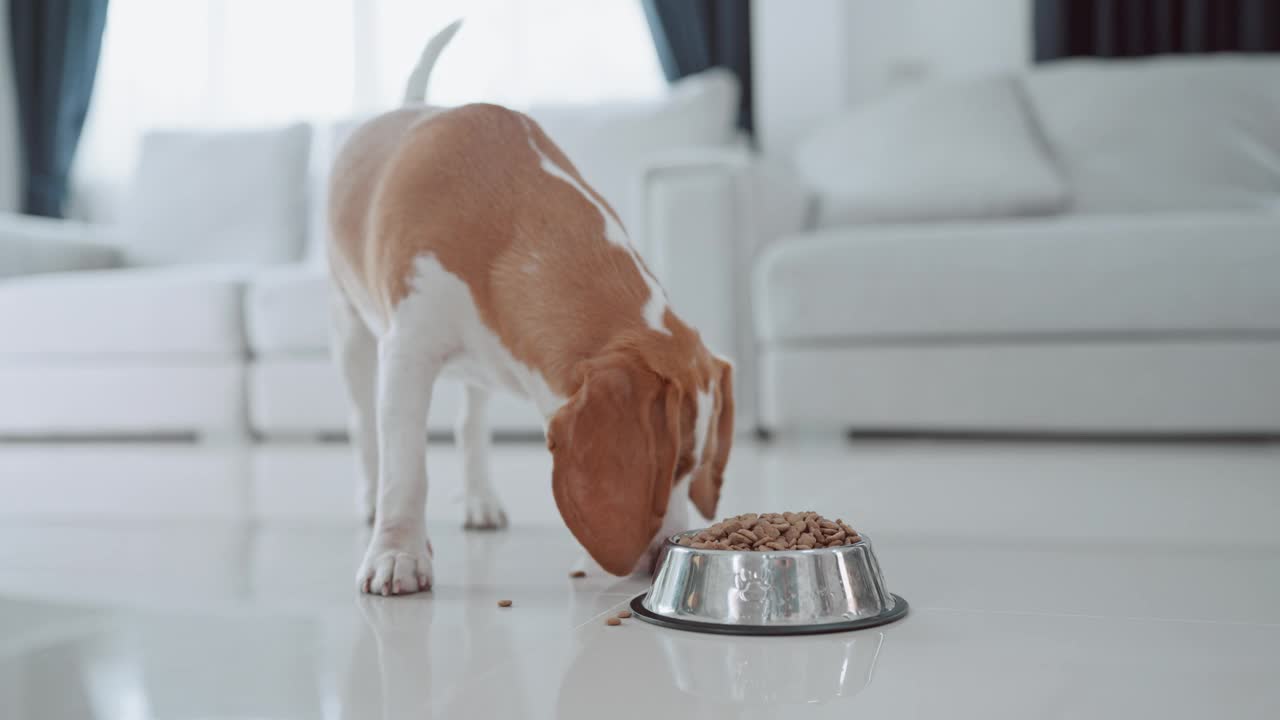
{"points": [[671, 542], [899, 610]]}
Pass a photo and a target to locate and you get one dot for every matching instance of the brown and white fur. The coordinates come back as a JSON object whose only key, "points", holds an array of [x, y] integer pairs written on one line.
{"points": [[465, 244]]}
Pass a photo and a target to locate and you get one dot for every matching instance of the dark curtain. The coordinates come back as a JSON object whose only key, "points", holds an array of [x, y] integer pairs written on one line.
{"points": [[55, 57], [694, 35], [1130, 28]]}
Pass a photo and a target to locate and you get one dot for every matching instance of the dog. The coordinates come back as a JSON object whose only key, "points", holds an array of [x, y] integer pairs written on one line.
{"points": [[464, 244]]}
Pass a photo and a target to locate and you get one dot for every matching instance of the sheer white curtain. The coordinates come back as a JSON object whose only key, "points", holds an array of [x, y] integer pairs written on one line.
{"points": [[227, 63]]}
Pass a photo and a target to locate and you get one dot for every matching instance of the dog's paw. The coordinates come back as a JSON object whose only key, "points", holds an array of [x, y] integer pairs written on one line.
{"points": [[484, 512], [396, 564]]}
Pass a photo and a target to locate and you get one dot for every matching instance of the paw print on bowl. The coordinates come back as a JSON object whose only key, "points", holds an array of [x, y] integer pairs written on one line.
{"points": [[751, 585]]}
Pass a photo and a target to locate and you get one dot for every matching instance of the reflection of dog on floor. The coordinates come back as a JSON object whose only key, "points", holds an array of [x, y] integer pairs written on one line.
{"points": [[465, 244], [390, 674]]}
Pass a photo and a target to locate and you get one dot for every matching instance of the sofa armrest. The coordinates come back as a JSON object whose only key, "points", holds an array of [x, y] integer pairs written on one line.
{"points": [[31, 245], [705, 214]]}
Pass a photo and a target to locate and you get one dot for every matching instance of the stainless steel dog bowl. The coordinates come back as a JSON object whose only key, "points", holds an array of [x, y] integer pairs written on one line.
{"points": [[778, 592]]}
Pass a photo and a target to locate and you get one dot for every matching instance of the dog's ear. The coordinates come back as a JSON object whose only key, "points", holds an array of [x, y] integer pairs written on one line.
{"points": [[704, 489], [615, 445]]}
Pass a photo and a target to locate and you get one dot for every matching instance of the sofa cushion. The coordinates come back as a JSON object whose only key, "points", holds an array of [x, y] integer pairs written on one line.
{"points": [[30, 244], [1172, 133], [226, 196], [1039, 279], [131, 312], [952, 150], [612, 143], [287, 312]]}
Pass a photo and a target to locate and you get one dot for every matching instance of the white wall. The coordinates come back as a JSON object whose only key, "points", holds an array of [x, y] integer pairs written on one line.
{"points": [[812, 58], [8, 120]]}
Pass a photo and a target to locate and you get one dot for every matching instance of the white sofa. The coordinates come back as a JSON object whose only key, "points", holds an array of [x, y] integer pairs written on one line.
{"points": [[205, 312], [1087, 247], [138, 329]]}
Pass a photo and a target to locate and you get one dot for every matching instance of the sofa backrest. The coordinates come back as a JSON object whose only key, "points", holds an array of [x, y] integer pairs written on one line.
{"points": [[328, 142], [612, 144], [951, 149], [1167, 133], [227, 196]]}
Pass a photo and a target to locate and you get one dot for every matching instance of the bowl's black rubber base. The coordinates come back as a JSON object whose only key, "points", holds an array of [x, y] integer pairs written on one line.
{"points": [[898, 612]]}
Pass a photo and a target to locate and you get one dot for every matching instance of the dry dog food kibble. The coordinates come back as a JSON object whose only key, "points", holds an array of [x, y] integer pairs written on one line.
{"points": [[504, 603], [773, 531], [613, 621], [578, 574], [624, 614]]}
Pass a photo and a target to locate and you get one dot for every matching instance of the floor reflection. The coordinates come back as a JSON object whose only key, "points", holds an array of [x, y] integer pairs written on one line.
{"points": [[405, 665], [818, 669], [389, 676], [61, 663], [744, 676]]}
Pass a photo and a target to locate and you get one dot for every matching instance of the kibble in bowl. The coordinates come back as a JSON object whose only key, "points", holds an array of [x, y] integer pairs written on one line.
{"points": [[763, 532]]}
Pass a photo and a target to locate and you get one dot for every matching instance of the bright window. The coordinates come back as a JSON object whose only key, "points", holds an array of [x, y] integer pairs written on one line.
{"points": [[224, 63]]}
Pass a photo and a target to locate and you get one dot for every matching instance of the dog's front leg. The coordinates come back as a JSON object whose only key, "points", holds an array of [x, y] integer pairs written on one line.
{"points": [[399, 558]]}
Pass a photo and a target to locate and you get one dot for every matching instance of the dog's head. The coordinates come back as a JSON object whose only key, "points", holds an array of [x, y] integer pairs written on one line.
{"points": [[627, 437]]}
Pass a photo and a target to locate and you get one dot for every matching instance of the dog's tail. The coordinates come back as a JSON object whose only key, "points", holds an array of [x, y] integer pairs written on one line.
{"points": [[415, 91]]}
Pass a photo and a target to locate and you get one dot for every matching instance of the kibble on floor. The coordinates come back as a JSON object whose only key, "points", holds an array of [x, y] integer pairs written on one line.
{"points": [[504, 603], [612, 621], [624, 614], [578, 574]]}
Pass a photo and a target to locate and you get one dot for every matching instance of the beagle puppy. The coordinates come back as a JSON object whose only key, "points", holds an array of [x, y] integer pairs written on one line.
{"points": [[465, 244]]}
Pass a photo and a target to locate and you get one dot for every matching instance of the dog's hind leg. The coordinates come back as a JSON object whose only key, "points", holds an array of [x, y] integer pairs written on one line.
{"points": [[484, 510], [356, 352]]}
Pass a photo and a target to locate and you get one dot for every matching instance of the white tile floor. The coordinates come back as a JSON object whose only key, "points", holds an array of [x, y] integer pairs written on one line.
{"points": [[1050, 580]]}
